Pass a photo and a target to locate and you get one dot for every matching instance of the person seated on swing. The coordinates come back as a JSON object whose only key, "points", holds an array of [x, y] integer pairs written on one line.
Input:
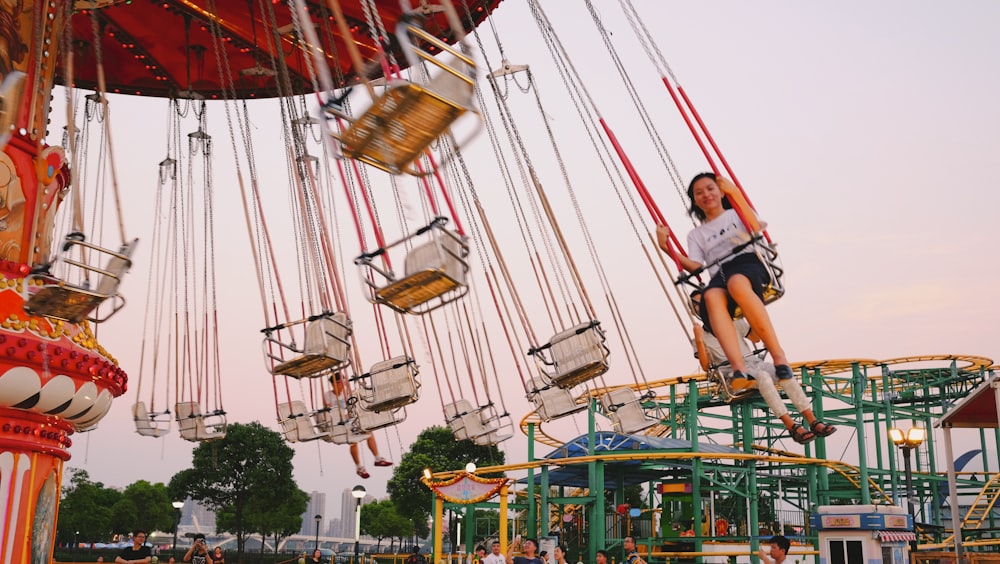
{"points": [[710, 354], [335, 398], [737, 280]]}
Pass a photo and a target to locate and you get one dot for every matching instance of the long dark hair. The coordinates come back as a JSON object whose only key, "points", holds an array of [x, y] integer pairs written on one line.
{"points": [[695, 210]]}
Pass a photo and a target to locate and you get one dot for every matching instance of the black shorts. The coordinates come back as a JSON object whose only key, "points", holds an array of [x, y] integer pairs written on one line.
{"points": [[747, 264]]}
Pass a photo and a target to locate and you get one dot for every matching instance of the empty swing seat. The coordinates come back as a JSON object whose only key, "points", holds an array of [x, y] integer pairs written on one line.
{"points": [[148, 424], [435, 274], [389, 384], [326, 346], [402, 123], [577, 355], [339, 426], [49, 296], [481, 425], [624, 407], [192, 425], [374, 420], [297, 424], [552, 402]]}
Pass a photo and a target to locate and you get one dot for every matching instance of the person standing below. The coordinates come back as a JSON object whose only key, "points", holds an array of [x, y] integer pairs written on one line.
{"points": [[316, 558], [480, 554], [559, 554], [529, 553], [198, 553], [631, 554], [602, 557], [218, 557], [138, 553], [779, 550], [494, 557], [336, 400], [416, 557]]}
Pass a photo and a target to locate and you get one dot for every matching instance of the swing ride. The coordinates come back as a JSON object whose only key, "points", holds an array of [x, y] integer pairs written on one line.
{"points": [[447, 306]]}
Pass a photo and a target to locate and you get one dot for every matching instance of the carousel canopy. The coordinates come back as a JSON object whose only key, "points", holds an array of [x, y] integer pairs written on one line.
{"points": [[169, 48], [632, 471]]}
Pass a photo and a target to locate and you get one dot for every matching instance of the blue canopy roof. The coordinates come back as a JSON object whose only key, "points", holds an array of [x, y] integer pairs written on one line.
{"points": [[632, 471]]}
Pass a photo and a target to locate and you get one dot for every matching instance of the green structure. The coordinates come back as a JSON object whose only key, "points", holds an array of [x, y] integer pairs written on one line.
{"points": [[717, 477]]}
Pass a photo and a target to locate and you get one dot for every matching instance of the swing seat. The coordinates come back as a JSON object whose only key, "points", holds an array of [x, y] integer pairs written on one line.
{"points": [[388, 385], [724, 390], [51, 297], [375, 420], [193, 425], [296, 423], [624, 407], [150, 424], [326, 348], [775, 288], [552, 402], [402, 123], [339, 425], [435, 273], [482, 425], [575, 355]]}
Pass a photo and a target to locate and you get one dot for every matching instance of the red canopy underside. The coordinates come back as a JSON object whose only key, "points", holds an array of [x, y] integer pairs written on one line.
{"points": [[977, 410], [162, 48]]}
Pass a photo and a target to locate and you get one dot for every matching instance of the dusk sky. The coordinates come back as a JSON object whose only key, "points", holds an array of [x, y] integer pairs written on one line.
{"points": [[862, 131]]}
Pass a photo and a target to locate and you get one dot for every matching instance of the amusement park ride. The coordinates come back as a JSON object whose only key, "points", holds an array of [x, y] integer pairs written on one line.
{"points": [[437, 284]]}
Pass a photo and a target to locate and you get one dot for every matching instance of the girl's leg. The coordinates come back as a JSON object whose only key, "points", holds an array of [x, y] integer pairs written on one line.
{"points": [[723, 328], [756, 314]]}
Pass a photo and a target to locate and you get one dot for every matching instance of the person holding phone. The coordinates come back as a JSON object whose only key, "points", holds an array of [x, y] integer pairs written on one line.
{"points": [[198, 553]]}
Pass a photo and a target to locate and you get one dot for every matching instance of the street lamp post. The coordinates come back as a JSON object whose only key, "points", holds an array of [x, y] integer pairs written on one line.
{"points": [[318, 519], [177, 519], [908, 441], [359, 493]]}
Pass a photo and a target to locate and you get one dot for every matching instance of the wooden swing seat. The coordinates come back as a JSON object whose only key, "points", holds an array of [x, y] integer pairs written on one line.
{"points": [[578, 355], [326, 348], [482, 425], [192, 426], [147, 424], [403, 122], [51, 297], [435, 270], [388, 385], [399, 127], [552, 402], [375, 420], [296, 425], [624, 407]]}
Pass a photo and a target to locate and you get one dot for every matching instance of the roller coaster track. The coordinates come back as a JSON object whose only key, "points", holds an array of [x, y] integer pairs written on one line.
{"points": [[903, 381], [981, 508]]}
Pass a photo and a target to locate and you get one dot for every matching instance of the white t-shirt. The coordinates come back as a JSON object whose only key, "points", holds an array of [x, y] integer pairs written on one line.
{"points": [[716, 239], [494, 559]]}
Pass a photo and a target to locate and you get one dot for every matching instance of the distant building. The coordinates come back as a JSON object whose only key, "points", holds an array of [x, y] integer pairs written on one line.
{"points": [[316, 506], [347, 507]]}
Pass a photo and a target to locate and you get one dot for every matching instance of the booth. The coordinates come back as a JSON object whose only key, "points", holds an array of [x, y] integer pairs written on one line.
{"points": [[863, 534]]}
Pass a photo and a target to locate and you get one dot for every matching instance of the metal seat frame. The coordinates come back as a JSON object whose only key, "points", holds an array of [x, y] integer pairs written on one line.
{"points": [[389, 384], [565, 363], [193, 425], [297, 422], [552, 402], [435, 272], [482, 425], [49, 296], [402, 123], [320, 335], [624, 407], [155, 424]]}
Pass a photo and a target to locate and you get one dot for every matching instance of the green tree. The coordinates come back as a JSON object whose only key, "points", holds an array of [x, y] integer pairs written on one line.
{"points": [[381, 520], [143, 506], [241, 477], [281, 519], [437, 449], [85, 508]]}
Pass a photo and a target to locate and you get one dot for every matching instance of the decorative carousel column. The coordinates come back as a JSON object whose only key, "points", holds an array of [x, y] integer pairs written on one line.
{"points": [[55, 378]]}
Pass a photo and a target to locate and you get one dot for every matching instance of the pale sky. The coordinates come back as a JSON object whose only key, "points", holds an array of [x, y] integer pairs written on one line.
{"points": [[862, 131]]}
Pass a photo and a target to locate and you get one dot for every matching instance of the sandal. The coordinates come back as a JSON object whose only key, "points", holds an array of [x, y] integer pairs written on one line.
{"points": [[801, 435], [362, 472], [821, 429]]}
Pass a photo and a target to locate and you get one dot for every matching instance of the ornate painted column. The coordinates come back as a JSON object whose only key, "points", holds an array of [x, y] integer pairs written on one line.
{"points": [[55, 378]]}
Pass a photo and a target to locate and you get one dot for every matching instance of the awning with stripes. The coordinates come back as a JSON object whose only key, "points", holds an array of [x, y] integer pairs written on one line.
{"points": [[896, 536]]}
